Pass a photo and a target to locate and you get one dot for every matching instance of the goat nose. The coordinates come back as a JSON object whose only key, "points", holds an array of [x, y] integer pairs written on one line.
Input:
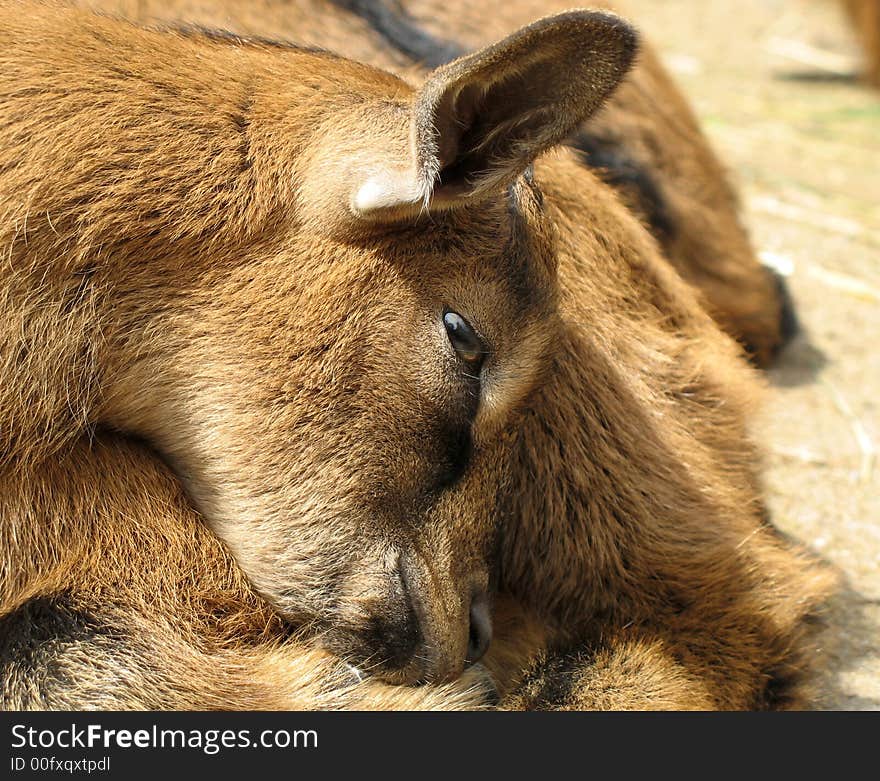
{"points": [[481, 628]]}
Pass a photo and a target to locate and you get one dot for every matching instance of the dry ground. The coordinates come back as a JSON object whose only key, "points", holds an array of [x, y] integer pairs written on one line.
{"points": [[803, 144]]}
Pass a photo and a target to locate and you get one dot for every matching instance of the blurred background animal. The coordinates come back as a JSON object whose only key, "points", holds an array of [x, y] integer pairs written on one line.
{"points": [[865, 18]]}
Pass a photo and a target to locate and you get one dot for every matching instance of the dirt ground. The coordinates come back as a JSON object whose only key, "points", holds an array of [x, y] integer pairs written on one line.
{"points": [[769, 80]]}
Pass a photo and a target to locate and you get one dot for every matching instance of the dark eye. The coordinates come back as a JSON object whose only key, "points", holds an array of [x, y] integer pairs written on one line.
{"points": [[464, 340]]}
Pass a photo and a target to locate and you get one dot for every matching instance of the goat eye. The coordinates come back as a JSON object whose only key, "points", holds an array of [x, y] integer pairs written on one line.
{"points": [[464, 340]]}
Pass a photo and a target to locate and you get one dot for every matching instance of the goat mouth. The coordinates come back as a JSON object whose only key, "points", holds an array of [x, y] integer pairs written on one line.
{"points": [[378, 649]]}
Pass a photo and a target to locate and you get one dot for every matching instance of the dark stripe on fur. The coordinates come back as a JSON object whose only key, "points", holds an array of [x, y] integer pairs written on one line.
{"points": [[400, 31], [33, 638], [551, 682], [633, 180]]}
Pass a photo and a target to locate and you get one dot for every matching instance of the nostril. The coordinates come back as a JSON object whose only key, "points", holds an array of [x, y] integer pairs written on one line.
{"points": [[481, 629]]}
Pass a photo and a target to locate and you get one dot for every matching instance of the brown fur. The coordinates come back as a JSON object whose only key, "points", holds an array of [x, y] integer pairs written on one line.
{"points": [[166, 618], [865, 18], [273, 331], [646, 120], [649, 120], [636, 568]]}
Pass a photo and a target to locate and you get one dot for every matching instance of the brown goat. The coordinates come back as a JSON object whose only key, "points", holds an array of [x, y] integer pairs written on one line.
{"points": [[645, 142], [227, 247], [305, 251]]}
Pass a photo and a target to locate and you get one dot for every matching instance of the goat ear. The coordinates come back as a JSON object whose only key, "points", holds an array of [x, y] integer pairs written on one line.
{"points": [[479, 121]]}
